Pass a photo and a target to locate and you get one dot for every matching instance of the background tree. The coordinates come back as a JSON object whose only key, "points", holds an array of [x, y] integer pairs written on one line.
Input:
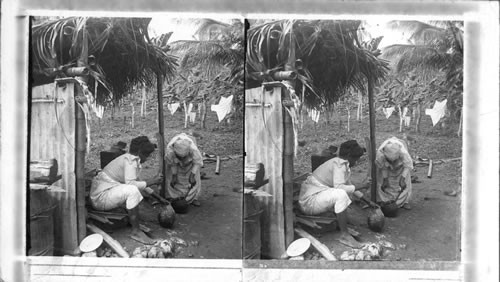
{"points": [[434, 54]]}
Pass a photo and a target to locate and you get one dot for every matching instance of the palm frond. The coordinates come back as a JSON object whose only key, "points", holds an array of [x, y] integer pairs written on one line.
{"points": [[330, 51], [123, 52], [209, 56]]}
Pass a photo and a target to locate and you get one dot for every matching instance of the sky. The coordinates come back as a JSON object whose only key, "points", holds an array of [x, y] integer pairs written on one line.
{"points": [[183, 29]]}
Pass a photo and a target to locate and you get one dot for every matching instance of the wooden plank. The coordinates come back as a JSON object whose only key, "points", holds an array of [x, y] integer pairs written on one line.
{"points": [[264, 144], [320, 247], [52, 135], [112, 243]]}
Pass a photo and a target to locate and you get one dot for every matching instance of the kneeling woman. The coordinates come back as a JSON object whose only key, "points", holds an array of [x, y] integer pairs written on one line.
{"points": [[329, 188], [394, 165], [118, 184], [183, 164]]}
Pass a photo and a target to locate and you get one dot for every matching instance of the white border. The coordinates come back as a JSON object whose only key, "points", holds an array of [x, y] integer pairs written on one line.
{"points": [[480, 219]]}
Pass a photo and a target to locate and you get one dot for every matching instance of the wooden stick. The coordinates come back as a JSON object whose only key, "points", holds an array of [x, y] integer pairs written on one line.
{"points": [[371, 104], [320, 247], [369, 151], [217, 166], [113, 244], [161, 130], [307, 222]]}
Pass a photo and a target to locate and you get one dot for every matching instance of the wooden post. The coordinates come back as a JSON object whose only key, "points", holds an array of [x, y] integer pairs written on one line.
{"points": [[372, 142], [81, 147], [288, 150], [161, 129]]}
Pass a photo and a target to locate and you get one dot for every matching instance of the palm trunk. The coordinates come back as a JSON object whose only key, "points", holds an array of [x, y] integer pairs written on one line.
{"points": [[143, 101], [359, 114], [203, 113], [418, 116], [186, 115], [328, 115], [348, 118], [400, 119], [132, 118]]}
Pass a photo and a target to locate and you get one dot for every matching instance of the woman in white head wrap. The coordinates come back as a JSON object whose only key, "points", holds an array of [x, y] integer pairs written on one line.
{"points": [[183, 164], [394, 165]]}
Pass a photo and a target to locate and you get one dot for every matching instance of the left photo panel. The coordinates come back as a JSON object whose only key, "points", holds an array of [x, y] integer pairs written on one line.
{"points": [[135, 142]]}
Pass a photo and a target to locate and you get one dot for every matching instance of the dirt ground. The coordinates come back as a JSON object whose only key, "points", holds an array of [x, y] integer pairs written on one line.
{"points": [[430, 231], [212, 230]]}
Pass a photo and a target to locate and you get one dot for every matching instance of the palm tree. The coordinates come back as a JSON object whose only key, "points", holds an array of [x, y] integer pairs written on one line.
{"points": [[218, 46], [433, 48], [122, 53], [331, 56], [209, 64]]}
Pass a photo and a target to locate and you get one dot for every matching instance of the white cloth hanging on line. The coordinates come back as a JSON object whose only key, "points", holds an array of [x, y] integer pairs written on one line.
{"points": [[437, 112], [388, 111], [172, 107], [223, 108], [407, 121], [314, 115], [192, 117], [405, 111]]}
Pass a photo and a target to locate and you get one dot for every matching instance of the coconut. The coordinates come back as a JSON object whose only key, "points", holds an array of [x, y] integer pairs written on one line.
{"points": [[166, 217]]}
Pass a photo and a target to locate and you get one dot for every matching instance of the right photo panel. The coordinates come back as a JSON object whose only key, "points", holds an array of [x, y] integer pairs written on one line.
{"points": [[353, 140]]}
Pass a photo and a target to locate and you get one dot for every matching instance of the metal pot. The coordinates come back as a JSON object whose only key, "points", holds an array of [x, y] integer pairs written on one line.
{"points": [[180, 205]]}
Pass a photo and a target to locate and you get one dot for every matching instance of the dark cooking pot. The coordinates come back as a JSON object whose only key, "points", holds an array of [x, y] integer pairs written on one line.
{"points": [[180, 205], [390, 208]]}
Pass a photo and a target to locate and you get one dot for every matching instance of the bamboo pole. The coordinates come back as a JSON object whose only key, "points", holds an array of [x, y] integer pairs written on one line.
{"points": [[161, 130], [80, 149], [372, 142], [288, 151]]}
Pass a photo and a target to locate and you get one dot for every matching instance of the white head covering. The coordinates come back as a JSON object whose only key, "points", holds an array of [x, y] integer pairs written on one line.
{"points": [[181, 147], [391, 151]]}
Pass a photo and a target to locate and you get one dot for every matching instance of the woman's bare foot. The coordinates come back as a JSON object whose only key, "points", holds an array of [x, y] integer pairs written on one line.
{"points": [[141, 237], [348, 240]]}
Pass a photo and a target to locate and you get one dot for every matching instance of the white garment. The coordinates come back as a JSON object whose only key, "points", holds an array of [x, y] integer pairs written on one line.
{"points": [[405, 111], [223, 108], [192, 117], [407, 121], [173, 107], [388, 111], [326, 199], [314, 115], [437, 112]]}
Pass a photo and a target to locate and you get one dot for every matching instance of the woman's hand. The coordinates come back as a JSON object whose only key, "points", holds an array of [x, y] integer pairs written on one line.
{"points": [[192, 179], [174, 180], [385, 184], [155, 180], [402, 182]]}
